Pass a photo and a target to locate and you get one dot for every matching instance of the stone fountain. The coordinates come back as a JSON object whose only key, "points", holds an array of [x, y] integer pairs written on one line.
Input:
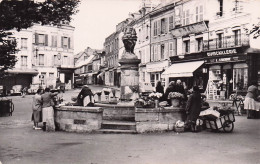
{"points": [[123, 116], [129, 68]]}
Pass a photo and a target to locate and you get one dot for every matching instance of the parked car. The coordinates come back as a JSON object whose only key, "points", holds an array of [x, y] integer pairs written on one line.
{"points": [[33, 88], [59, 88], [2, 91], [16, 90]]}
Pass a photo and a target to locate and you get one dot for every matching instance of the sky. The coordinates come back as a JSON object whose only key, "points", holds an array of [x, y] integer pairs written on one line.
{"points": [[97, 19]]}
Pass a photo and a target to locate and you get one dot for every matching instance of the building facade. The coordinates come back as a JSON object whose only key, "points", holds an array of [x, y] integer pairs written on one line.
{"points": [[213, 47], [111, 47], [45, 57]]}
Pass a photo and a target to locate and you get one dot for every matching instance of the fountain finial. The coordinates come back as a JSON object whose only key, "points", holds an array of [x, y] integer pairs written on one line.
{"points": [[129, 39]]}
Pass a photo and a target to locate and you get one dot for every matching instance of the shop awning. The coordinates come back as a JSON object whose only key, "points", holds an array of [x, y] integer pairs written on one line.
{"points": [[182, 69], [101, 74], [22, 71], [83, 75]]}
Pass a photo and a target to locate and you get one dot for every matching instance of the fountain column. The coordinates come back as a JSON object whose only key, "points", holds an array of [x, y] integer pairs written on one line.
{"points": [[129, 67]]}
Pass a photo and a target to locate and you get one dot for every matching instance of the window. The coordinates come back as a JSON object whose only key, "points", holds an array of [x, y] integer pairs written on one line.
{"points": [[220, 13], [162, 51], [51, 75], [171, 49], [152, 79], [65, 60], [199, 13], [23, 60], [163, 26], [199, 42], [41, 59], [41, 39], [24, 43], [186, 46], [140, 33], [155, 28], [54, 41], [155, 53], [147, 32], [65, 42], [220, 40], [170, 23], [237, 37], [240, 76], [186, 17], [55, 60]]}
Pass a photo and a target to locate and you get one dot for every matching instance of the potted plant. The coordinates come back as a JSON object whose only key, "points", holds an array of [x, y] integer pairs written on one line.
{"points": [[155, 97], [175, 97]]}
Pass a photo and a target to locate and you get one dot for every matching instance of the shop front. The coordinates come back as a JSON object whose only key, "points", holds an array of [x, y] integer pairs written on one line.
{"points": [[228, 73], [155, 71], [21, 77], [66, 77], [189, 72]]}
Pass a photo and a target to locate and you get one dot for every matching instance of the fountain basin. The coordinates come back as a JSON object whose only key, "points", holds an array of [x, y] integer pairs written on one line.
{"points": [[157, 119], [122, 112], [78, 118]]}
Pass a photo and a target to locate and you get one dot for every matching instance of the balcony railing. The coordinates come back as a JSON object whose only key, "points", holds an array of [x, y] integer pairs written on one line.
{"points": [[226, 42]]}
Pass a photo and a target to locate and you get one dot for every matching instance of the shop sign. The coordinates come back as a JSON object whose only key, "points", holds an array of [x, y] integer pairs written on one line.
{"points": [[222, 52], [223, 59], [189, 29]]}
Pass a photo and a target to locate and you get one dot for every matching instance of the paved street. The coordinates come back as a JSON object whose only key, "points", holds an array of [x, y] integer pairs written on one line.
{"points": [[19, 143]]}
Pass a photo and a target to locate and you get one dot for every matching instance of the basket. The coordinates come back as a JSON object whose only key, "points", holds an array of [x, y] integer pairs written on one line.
{"points": [[179, 129]]}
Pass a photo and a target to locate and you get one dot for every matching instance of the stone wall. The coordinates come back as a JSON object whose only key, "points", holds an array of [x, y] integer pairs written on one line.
{"points": [[157, 119], [117, 111], [78, 119]]}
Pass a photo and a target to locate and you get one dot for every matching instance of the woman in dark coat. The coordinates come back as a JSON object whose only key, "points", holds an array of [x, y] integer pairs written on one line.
{"points": [[85, 91], [193, 107], [159, 88]]}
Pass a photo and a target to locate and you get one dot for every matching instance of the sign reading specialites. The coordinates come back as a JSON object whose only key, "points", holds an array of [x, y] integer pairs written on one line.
{"points": [[222, 52]]}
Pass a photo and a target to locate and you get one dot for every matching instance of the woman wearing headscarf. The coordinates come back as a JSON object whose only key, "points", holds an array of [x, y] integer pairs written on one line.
{"points": [[193, 108], [250, 104], [37, 109]]}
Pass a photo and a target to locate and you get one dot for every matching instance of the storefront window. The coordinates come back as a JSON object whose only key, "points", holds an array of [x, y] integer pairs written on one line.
{"points": [[152, 79], [214, 74], [240, 76]]}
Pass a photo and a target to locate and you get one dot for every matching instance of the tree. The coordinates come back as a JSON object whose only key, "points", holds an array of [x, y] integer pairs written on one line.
{"points": [[255, 30], [22, 14]]}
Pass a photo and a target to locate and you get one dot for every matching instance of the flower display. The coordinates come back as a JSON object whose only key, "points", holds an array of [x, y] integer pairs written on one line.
{"points": [[175, 95], [144, 102], [156, 95]]}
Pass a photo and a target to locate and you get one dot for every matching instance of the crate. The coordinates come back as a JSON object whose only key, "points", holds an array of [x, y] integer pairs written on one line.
{"points": [[230, 117], [215, 125]]}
